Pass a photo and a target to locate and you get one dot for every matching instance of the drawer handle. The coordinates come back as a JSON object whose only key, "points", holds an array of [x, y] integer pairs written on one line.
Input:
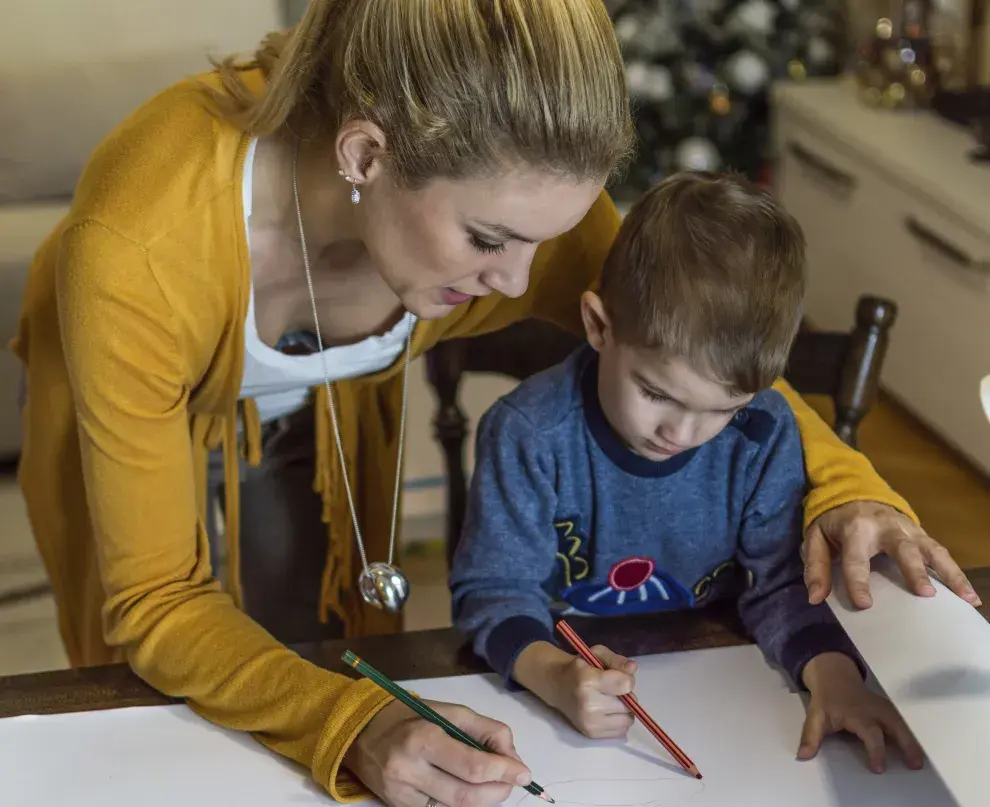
{"points": [[943, 246], [821, 165]]}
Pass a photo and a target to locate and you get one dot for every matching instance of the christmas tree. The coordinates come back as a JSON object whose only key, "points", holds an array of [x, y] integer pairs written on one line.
{"points": [[700, 71]]}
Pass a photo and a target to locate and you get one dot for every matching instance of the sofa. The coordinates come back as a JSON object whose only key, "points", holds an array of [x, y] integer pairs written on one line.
{"points": [[55, 109]]}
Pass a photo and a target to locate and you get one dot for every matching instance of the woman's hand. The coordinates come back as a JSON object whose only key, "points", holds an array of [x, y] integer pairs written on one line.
{"points": [[860, 530], [586, 696], [407, 761], [840, 701]]}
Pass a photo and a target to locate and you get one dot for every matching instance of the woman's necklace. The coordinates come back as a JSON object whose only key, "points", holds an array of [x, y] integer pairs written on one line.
{"points": [[381, 584]]}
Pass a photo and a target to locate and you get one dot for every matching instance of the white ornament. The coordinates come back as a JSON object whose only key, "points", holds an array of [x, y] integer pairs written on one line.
{"points": [[649, 82], [820, 51], [747, 72], [627, 29], [697, 154], [755, 16]]}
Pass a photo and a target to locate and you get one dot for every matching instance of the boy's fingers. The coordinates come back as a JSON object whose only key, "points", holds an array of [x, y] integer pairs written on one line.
{"points": [[812, 735], [910, 747], [873, 738], [612, 661], [615, 683]]}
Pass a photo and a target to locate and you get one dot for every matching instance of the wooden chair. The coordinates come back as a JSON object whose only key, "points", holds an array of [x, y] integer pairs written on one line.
{"points": [[845, 366]]}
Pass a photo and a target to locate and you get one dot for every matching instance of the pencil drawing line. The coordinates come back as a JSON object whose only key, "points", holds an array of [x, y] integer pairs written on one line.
{"points": [[553, 788]]}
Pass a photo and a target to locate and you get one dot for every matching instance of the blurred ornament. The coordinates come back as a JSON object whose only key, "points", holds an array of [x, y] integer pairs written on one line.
{"points": [[820, 52], [790, 5], [747, 72], [650, 82], [718, 100], [700, 80], [796, 70], [627, 29], [697, 154], [754, 17], [701, 12]]}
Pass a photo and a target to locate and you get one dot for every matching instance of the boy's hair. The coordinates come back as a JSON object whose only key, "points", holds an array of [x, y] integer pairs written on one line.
{"points": [[709, 268]]}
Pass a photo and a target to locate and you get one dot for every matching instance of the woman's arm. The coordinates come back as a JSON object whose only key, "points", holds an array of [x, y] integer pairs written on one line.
{"points": [[163, 605], [851, 511]]}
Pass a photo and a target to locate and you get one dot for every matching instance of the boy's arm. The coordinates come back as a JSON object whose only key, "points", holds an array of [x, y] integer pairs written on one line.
{"points": [[774, 607], [508, 546]]}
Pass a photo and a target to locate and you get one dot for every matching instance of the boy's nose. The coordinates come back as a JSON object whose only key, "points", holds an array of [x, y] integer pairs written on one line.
{"points": [[679, 433]]}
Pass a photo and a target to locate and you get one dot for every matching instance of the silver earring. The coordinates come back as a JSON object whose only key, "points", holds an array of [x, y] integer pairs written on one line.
{"points": [[355, 191]]}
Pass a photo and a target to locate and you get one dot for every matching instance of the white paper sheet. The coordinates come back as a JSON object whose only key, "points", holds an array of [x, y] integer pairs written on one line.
{"points": [[730, 712], [932, 656]]}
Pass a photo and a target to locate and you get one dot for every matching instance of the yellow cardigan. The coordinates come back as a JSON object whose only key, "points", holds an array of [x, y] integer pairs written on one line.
{"points": [[132, 333]]}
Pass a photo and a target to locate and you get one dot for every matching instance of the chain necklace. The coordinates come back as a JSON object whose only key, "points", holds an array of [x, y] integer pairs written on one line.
{"points": [[382, 585]]}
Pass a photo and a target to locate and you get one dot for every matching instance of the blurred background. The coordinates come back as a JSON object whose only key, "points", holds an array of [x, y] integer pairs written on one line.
{"points": [[871, 121]]}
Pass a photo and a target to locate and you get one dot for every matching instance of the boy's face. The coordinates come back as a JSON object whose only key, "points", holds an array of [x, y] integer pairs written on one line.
{"points": [[658, 407]]}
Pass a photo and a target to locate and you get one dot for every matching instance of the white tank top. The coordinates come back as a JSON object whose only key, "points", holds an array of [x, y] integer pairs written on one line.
{"points": [[280, 384]]}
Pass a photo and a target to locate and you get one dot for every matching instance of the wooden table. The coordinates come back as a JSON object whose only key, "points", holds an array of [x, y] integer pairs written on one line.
{"points": [[426, 654]]}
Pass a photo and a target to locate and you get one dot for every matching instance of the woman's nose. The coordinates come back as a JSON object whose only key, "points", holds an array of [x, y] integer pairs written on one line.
{"points": [[511, 276]]}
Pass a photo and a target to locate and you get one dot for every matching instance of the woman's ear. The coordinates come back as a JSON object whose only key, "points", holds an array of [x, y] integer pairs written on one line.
{"points": [[360, 146], [597, 326]]}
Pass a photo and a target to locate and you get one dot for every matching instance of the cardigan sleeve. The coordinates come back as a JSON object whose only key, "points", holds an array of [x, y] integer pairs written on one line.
{"points": [[162, 605]]}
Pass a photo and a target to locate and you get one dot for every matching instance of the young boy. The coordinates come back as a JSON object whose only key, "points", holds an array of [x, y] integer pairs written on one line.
{"points": [[656, 470]]}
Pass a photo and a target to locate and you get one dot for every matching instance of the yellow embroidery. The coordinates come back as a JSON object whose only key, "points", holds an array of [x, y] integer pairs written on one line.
{"points": [[572, 554], [703, 587]]}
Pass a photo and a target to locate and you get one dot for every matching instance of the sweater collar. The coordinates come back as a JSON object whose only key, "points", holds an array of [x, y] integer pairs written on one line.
{"points": [[610, 443]]}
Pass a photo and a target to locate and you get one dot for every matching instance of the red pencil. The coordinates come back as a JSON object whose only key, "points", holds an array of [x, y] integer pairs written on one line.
{"points": [[630, 700]]}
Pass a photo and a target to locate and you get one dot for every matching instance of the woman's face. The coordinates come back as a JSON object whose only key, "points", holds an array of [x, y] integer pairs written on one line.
{"points": [[450, 241]]}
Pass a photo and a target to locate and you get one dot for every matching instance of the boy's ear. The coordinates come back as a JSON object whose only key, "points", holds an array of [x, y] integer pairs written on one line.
{"points": [[597, 326]]}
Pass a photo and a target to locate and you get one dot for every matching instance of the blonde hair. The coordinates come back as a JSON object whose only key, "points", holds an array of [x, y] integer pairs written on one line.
{"points": [[711, 269], [457, 86]]}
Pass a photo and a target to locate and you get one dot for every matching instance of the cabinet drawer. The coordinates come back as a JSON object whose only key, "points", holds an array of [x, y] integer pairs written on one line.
{"points": [[938, 272], [821, 187], [868, 234]]}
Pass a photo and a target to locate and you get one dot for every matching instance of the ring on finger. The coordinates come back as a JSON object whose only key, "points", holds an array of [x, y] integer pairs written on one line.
{"points": [[432, 802]]}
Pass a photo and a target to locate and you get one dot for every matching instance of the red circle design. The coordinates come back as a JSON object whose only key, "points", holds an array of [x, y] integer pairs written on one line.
{"points": [[630, 574]]}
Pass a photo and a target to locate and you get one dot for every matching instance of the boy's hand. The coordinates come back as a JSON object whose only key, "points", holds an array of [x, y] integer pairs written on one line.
{"points": [[589, 698], [840, 701]]}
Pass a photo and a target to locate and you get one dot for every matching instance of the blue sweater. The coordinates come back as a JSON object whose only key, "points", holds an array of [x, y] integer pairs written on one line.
{"points": [[563, 518]]}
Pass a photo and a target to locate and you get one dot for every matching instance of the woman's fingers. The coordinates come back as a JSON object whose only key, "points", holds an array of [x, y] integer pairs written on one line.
{"points": [[817, 565], [451, 791], [501, 766]]}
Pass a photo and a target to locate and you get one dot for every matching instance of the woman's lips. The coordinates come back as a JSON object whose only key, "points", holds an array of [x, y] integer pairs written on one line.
{"points": [[453, 297]]}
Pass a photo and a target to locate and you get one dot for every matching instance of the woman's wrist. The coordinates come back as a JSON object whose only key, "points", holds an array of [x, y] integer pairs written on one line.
{"points": [[535, 669]]}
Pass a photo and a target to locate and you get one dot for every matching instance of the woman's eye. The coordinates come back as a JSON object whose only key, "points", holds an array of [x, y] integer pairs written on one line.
{"points": [[488, 247]]}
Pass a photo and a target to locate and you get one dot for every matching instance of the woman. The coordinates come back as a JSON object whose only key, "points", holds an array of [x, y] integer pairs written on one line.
{"points": [[389, 175]]}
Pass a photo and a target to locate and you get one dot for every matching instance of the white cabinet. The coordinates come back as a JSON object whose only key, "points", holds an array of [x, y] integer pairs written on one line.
{"points": [[891, 205]]}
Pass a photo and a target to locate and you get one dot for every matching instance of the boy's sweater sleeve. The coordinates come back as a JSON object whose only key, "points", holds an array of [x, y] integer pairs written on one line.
{"points": [[774, 607], [508, 546]]}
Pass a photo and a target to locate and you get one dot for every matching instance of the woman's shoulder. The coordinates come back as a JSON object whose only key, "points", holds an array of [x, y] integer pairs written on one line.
{"points": [[168, 159]]}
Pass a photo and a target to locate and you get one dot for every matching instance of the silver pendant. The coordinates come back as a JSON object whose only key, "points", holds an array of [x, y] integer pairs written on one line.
{"points": [[384, 586]]}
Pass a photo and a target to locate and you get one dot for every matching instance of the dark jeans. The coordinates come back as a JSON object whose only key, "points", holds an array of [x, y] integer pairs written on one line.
{"points": [[283, 540]]}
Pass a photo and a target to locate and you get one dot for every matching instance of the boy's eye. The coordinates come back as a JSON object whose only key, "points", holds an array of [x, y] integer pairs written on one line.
{"points": [[655, 397], [488, 247]]}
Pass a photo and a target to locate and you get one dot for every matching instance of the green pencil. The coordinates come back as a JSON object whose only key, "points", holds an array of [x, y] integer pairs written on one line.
{"points": [[425, 711]]}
